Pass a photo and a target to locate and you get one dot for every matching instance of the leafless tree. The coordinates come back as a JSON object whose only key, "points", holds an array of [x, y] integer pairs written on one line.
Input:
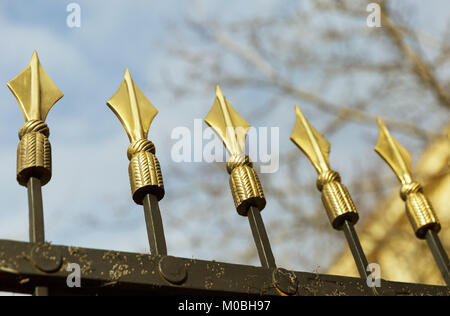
{"points": [[343, 74]]}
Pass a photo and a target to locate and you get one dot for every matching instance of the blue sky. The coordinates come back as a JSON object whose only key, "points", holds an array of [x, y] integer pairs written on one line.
{"points": [[88, 142], [88, 201]]}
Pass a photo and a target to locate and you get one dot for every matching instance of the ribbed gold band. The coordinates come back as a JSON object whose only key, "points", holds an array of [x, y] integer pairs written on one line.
{"points": [[34, 153], [245, 185], [336, 200], [144, 171], [419, 210]]}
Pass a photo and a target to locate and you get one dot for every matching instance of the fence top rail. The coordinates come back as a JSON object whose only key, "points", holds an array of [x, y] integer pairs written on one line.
{"points": [[24, 265]]}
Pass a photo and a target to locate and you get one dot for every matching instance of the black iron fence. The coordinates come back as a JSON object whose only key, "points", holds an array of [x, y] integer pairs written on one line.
{"points": [[41, 268]]}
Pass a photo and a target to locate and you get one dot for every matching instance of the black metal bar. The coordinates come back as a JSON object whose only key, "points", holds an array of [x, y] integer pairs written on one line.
{"points": [[36, 213], [155, 230], [261, 239], [36, 220], [439, 254], [108, 272], [357, 252], [356, 249]]}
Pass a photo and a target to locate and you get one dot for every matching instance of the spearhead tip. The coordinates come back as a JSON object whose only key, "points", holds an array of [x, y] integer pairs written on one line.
{"points": [[127, 73], [35, 55], [297, 110], [219, 91]]}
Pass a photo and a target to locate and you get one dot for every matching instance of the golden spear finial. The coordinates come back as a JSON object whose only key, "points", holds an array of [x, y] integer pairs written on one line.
{"points": [[136, 113], [228, 124], [395, 155], [245, 186], [311, 142], [36, 94], [418, 208], [133, 109], [335, 196], [232, 129], [34, 90]]}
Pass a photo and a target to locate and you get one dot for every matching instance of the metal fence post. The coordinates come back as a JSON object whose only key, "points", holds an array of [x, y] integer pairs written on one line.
{"points": [[136, 113], [423, 219], [36, 94], [335, 196], [244, 182]]}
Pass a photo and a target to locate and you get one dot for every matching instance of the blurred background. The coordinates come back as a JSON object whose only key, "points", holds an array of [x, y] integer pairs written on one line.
{"points": [[267, 56]]}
